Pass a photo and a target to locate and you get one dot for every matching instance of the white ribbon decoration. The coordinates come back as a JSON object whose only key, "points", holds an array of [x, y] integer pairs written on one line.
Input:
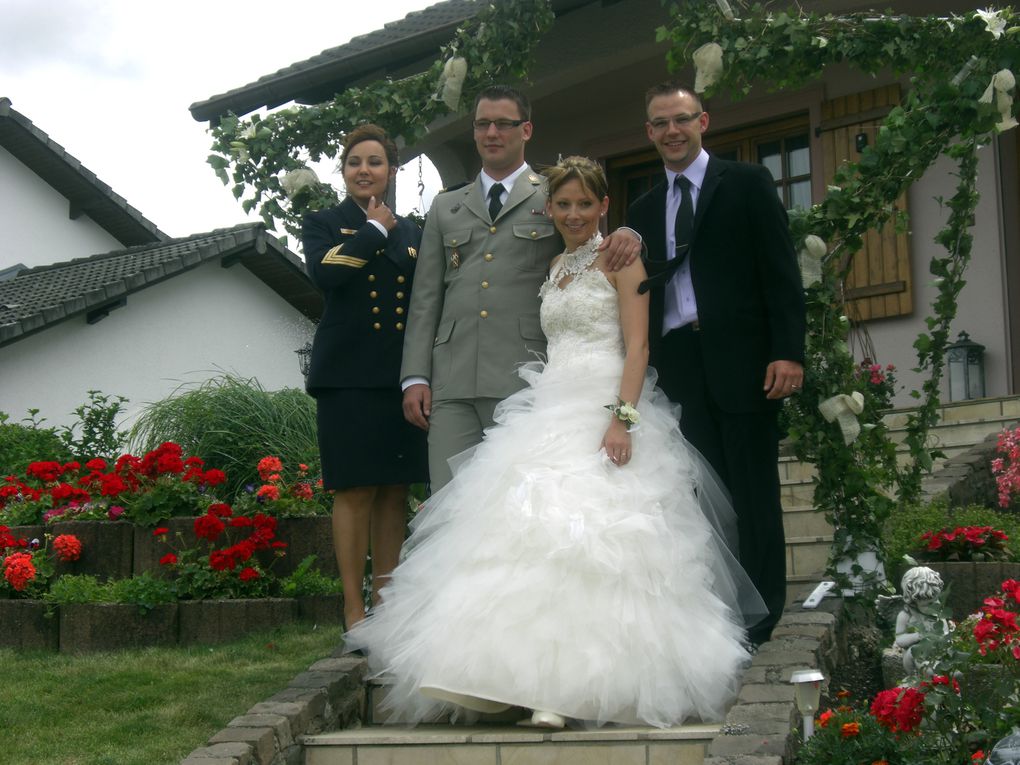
{"points": [[810, 258], [708, 60], [725, 10], [844, 409], [295, 180], [451, 81], [1002, 82]]}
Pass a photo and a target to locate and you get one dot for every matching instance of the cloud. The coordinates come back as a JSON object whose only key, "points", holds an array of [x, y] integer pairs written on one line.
{"points": [[71, 34]]}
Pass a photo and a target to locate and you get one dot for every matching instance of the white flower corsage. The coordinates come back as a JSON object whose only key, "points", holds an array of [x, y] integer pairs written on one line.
{"points": [[626, 413]]}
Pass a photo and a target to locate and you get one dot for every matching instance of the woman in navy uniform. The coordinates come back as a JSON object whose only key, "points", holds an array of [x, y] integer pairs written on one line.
{"points": [[362, 257]]}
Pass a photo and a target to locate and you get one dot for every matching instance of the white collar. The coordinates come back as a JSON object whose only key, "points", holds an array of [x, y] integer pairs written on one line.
{"points": [[695, 172], [508, 183]]}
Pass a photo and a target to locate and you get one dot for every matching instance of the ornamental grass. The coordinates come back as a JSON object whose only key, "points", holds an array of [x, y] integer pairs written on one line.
{"points": [[233, 422]]}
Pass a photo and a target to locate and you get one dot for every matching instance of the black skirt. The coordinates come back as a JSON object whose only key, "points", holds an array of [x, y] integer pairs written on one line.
{"points": [[364, 439]]}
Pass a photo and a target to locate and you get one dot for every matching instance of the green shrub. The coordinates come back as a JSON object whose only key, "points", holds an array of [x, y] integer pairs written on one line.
{"points": [[143, 590], [306, 580], [26, 442], [906, 524], [79, 588], [232, 423], [94, 433]]}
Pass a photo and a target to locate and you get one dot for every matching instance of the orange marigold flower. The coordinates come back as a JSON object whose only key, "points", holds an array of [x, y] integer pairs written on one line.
{"points": [[849, 730], [843, 694]]}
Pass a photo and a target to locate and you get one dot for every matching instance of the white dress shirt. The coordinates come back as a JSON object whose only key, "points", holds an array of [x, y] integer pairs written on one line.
{"points": [[680, 305]]}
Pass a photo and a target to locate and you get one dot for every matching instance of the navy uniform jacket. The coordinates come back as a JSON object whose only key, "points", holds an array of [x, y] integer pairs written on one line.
{"points": [[366, 280]]}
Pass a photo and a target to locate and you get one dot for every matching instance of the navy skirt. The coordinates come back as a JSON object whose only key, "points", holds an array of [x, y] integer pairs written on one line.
{"points": [[364, 439]]}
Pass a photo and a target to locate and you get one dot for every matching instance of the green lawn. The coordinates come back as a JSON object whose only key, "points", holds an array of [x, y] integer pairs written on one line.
{"points": [[143, 707]]}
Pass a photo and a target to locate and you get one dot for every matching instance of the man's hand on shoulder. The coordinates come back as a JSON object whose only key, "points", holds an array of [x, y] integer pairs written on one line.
{"points": [[621, 248], [783, 378], [418, 405]]}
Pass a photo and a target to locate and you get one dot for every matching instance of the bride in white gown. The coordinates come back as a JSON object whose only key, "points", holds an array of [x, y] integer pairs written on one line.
{"points": [[573, 566]]}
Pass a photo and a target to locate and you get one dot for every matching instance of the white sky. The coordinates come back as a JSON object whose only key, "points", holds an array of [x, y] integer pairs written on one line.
{"points": [[111, 81]]}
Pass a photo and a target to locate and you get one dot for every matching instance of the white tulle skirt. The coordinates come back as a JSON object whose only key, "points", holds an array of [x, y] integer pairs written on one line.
{"points": [[544, 576]]}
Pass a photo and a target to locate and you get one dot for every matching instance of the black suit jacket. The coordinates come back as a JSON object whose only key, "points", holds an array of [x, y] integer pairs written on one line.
{"points": [[745, 275], [366, 279]]}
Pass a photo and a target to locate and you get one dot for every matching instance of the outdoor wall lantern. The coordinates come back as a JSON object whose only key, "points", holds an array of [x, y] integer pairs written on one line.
{"points": [[304, 358], [966, 369], [807, 693]]}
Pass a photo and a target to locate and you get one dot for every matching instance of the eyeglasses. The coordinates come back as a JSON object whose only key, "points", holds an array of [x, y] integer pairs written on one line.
{"points": [[502, 126], [678, 120]]}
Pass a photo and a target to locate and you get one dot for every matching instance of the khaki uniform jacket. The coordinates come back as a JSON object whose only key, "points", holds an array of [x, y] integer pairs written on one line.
{"points": [[474, 310]]}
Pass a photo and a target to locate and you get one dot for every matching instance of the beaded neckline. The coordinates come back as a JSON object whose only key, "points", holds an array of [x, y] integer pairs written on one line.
{"points": [[580, 260]]}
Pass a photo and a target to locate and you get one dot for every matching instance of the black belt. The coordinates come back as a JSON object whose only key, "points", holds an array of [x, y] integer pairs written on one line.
{"points": [[694, 326]]}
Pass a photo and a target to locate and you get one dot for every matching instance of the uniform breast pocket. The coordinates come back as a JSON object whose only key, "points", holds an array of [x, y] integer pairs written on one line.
{"points": [[455, 244], [536, 244]]}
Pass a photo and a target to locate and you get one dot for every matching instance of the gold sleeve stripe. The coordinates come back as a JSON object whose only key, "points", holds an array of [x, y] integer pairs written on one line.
{"points": [[335, 259], [348, 231]]}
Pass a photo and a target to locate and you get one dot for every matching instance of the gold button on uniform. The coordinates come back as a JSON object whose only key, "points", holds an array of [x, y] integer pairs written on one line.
{"points": [[377, 325], [371, 277], [488, 256], [484, 314], [401, 280], [485, 285], [400, 326], [492, 230], [400, 311], [375, 309], [373, 294], [400, 296], [534, 234]]}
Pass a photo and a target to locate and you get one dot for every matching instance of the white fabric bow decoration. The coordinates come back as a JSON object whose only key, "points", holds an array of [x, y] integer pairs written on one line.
{"points": [[708, 60], [844, 409], [451, 81], [810, 258], [1000, 86]]}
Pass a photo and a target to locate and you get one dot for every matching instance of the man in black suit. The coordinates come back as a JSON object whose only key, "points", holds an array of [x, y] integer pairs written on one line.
{"points": [[727, 321]]}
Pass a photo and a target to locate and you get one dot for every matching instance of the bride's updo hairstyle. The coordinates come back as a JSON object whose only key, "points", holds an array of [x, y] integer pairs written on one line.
{"points": [[590, 175]]}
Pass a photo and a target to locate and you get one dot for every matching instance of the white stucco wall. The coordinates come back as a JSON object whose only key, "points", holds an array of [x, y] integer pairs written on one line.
{"points": [[184, 330], [37, 229], [982, 304]]}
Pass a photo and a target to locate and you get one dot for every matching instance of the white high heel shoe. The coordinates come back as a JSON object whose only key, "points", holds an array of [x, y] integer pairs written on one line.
{"points": [[543, 719]]}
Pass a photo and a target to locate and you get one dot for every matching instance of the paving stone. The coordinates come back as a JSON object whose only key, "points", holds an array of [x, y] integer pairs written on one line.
{"points": [[299, 715], [347, 664], [765, 693], [744, 760], [261, 740], [227, 753], [279, 723], [807, 617], [749, 712], [751, 744]]}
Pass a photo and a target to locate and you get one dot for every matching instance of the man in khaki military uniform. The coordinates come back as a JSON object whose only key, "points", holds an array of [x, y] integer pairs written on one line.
{"points": [[474, 309]]}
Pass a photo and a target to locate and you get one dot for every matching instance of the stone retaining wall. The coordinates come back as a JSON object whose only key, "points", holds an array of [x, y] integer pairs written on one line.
{"points": [[91, 627], [966, 479]]}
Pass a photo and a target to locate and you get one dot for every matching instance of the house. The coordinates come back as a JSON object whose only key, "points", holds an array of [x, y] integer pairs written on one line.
{"points": [[93, 296], [587, 89]]}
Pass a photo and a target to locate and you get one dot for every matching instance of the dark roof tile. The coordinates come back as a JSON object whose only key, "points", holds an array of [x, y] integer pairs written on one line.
{"points": [[39, 297]]}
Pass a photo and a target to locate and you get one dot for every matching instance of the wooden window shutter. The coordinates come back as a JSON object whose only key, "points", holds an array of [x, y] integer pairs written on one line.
{"points": [[879, 282]]}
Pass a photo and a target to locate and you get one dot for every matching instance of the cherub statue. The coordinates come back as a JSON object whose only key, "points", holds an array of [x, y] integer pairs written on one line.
{"points": [[920, 615]]}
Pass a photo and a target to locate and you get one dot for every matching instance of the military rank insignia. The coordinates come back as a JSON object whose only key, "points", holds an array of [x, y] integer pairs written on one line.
{"points": [[350, 231], [455, 259], [412, 252]]}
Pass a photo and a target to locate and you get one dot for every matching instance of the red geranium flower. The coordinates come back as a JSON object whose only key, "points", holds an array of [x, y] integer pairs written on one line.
{"points": [[208, 527], [47, 472], [160, 531], [214, 477], [97, 465], [19, 570], [219, 560], [220, 510], [824, 717], [168, 560], [268, 492], [67, 547], [269, 465], [247, 574]]}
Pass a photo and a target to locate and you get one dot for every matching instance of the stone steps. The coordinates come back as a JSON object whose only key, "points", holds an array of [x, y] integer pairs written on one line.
{"points": [[510, 745], [809, 536]]}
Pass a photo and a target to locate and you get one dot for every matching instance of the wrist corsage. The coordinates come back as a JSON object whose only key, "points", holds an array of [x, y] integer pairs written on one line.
{"points": [[625, 413]]}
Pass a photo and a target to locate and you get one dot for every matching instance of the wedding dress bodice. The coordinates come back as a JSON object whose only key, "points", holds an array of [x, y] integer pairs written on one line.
{"points": [[581, 320]]}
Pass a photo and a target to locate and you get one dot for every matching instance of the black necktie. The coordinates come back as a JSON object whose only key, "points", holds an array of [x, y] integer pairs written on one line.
{"points": [[495, 200], [683, 227], [683, 231]]}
